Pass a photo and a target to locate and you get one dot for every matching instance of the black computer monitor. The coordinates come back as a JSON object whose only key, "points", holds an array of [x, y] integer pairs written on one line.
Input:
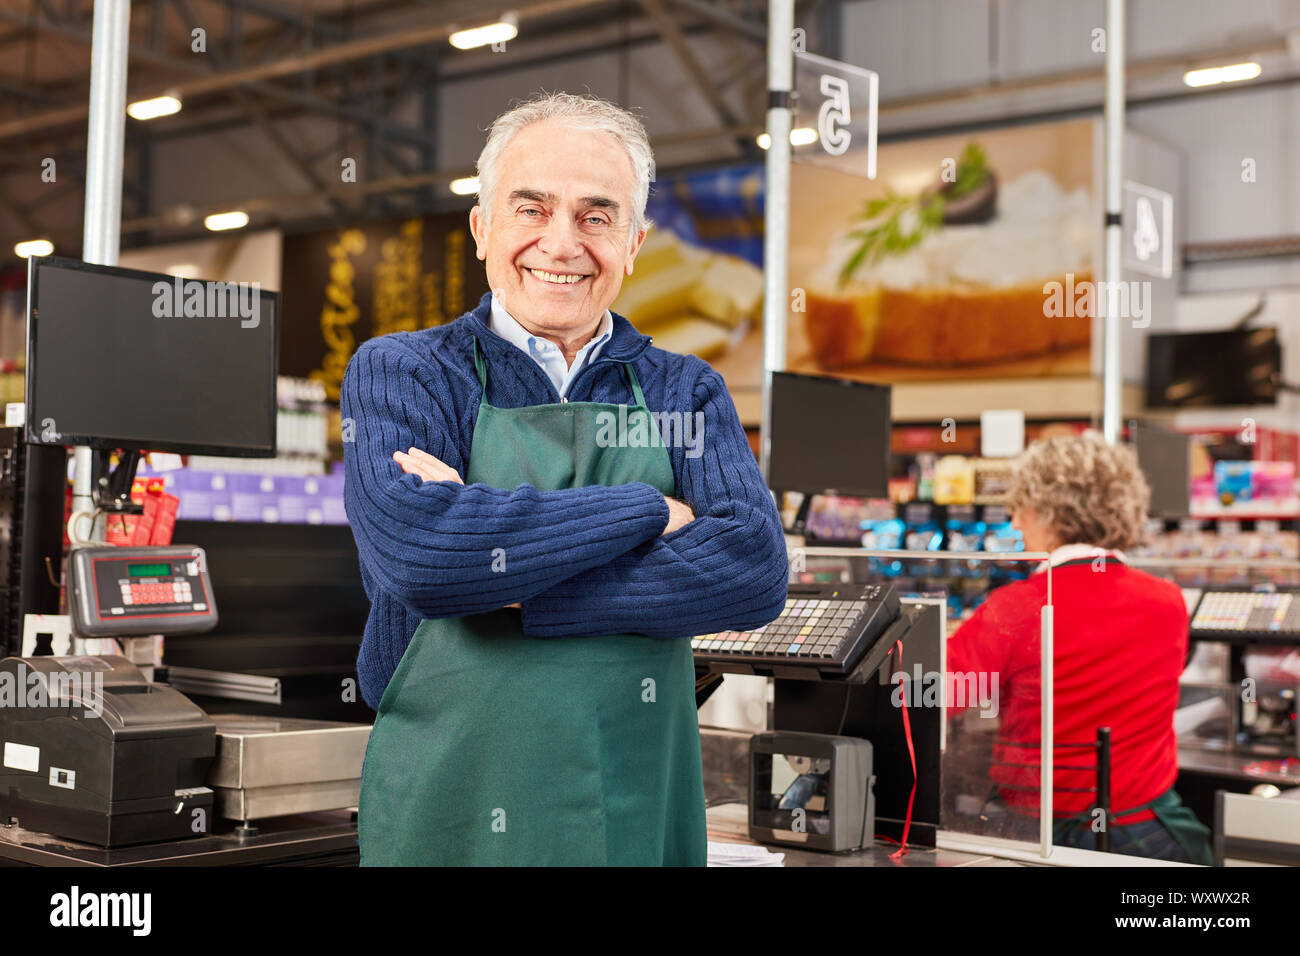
{"points": [[118, 358], [1165, 459], [1209, 369], [829, 434]]}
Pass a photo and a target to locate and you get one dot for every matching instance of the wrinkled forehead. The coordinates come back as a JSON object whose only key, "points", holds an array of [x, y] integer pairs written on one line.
{"points": [[566, 167]]}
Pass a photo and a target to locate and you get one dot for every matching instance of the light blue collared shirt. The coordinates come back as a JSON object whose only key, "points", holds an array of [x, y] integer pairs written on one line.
{"points": [[547, 354]]}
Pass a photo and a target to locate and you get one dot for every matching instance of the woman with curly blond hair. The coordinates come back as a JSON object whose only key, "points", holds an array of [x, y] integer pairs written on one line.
{"points": [[1120, 644]]}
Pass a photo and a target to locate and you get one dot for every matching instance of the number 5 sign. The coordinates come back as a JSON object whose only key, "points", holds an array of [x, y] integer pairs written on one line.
{"points": [[835, 114]]}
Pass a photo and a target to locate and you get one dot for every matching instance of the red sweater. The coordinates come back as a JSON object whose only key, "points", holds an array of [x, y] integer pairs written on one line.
{"points": [[1120, 646]]}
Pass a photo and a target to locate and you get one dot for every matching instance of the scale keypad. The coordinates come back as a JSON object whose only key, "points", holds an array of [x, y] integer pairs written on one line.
{"points": [[159, 591]]}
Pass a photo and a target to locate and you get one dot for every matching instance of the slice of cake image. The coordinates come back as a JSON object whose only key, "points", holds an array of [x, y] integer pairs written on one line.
{"points": [[953, 276]]}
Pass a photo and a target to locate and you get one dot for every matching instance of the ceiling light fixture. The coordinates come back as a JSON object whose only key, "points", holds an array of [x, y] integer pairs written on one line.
{"points": [[1214, 75], [33, 247], [507, 28], [220, 221], [799, 136], [149, 109]]}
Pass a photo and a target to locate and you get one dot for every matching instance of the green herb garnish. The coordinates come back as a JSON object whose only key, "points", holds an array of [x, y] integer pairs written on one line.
{"points": [[893, 224]]}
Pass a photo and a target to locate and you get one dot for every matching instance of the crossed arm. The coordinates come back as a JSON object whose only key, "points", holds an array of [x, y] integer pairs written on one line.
{"points": [[414, 461], [593, 560]]}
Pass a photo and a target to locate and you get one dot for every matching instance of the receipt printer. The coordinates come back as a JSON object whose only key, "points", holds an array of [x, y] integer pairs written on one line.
{"points": [[95, 753]]}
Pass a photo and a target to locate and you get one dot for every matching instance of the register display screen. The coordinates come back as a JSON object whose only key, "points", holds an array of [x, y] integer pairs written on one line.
{"points": [[118, 358], [829, 434]]}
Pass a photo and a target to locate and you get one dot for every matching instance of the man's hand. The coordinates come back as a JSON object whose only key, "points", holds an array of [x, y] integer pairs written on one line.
{"points": [[679, 515], [417, 462]]}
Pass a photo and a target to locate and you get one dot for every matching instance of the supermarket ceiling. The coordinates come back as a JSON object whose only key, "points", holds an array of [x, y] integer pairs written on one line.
{"points": [[296, 84], [283, 91]]}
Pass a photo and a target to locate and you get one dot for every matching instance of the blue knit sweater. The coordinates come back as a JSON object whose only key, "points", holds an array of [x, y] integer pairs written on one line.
{"points": [[583, 561]]}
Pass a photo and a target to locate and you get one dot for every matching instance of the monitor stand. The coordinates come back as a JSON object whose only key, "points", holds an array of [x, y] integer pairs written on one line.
{"points": [[113, 488]]}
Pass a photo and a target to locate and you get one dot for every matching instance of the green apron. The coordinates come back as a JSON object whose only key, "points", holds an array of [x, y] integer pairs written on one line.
{"points": [[1176, 817], [492, 748]]}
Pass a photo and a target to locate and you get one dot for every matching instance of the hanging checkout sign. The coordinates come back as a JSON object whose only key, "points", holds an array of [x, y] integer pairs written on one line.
{"points": [[835, 115], [1148, 230]]}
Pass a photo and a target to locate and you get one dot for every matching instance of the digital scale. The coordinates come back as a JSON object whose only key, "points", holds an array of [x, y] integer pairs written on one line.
{"points": [[122, 591]]}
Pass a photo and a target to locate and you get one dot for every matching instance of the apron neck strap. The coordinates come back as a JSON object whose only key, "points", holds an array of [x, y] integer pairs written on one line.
{"points": [[481, 369], [635, 383]]}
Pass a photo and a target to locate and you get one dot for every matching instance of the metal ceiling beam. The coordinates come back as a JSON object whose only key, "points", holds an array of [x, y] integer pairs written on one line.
{"points": [[280, 207], [676, 40], [530, 52], [249, 104], [256, 76], [287, 150], [33, 227], [17, 36], [750, 29], [331, 26], [48, 9]]}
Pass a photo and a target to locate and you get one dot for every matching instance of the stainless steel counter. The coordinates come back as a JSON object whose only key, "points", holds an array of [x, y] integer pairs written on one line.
{"points": [[728, 824]]}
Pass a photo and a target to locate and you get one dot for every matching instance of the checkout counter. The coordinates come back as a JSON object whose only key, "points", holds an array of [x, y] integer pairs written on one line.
{"points": [[103, 764], [111, 755]]}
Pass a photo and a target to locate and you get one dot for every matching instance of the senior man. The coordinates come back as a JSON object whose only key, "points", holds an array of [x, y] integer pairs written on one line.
{"points": [[534, 574]]}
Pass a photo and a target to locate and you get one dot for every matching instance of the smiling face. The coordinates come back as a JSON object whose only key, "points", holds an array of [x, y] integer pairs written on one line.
{"points": [[556, 245]]}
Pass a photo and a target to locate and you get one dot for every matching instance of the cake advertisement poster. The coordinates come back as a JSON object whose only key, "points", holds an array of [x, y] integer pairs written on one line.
{"points": [[943, 266]]}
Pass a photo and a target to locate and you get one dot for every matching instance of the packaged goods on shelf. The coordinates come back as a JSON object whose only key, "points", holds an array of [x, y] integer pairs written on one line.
{"points": [[954, 480], [205, 495]]}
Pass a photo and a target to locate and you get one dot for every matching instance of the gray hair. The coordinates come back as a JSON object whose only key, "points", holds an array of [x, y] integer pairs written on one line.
{"points": [[587, 113]]}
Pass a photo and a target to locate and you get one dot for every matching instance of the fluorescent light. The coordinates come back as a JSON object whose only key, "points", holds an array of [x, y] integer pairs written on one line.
{"points": [[154, 108], [226, 220], [466, 186], [33, 247], [799, 136], [1214, 75], [507, 28], [183, 270]]}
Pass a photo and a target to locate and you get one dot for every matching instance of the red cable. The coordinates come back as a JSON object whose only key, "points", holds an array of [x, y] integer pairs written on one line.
{"points": [[911, 752]]}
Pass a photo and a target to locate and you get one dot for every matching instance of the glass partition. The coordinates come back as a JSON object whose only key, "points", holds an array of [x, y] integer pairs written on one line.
{"points": [[994, 685], [1237, 697]]}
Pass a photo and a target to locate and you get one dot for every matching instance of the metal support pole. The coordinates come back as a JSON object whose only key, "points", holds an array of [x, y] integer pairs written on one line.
{"points": [[776, 211], [1047, 730], [1103, 788], [104, 138], [1112, 372]]}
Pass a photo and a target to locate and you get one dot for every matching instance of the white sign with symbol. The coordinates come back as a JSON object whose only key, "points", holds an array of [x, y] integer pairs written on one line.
{"points": [[1148, 230]]}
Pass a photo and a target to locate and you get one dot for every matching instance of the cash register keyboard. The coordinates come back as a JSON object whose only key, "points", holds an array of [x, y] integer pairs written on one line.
{"points": [[824, 626], [1262, 614]]}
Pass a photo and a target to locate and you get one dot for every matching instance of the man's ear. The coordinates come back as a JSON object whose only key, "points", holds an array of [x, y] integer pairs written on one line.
{"points": [[478, 228], [636, 247]]}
